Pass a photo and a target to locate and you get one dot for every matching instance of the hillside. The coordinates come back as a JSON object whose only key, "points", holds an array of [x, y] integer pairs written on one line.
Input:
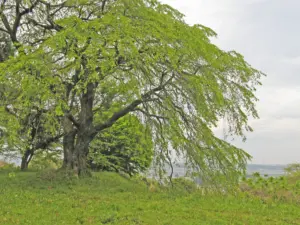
{"points": [[108, 198]]}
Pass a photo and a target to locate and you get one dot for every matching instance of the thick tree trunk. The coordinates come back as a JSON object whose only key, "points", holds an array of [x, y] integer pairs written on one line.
{"points": [[68, 143], [26, 159], [77, 140], [84, 134], [80, 165]]}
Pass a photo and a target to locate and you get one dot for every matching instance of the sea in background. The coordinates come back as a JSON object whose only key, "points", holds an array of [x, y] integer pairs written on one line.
{"points": [[264, 170], [270, 170]]}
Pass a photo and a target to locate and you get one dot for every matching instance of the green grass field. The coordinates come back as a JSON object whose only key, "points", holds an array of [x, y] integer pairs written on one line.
{"points": [[108, 198]]}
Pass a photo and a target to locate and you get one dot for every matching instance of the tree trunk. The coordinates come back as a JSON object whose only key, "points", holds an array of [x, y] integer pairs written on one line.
{"points": [[26, 159], [76, 152], [68, 143], [84, 134], [80, 165]]}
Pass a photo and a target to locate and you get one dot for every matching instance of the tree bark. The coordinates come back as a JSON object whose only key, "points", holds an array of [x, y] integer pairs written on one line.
{"points": [[78, 136], [80, 165], [26, 159], [84, 134], [68, 143]]}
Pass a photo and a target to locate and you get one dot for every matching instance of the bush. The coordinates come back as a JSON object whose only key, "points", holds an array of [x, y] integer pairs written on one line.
{"points": [[185, 183], [126, 146]]}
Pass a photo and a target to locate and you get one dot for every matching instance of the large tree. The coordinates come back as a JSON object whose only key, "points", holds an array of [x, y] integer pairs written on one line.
{"points": [[101, 60]]}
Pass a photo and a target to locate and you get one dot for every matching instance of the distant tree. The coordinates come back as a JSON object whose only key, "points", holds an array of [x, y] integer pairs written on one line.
{"points": [[97, 61], [126, 146]]}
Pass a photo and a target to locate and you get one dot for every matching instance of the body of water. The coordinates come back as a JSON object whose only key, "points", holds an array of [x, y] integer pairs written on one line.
{"points": [[269, 170]]}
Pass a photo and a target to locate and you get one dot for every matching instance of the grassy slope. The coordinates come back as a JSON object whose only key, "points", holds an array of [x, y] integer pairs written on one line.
{"points": [[110, 199]]}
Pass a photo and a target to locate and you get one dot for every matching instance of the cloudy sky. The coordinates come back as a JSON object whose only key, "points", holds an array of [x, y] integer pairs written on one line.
{"points": [[267, 33]]}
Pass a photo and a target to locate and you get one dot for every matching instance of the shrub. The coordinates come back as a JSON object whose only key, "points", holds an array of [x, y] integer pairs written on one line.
{"points": [[126, 146]]}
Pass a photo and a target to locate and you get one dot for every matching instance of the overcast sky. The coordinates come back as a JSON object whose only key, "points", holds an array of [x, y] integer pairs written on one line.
{"points": [[267, 33]]}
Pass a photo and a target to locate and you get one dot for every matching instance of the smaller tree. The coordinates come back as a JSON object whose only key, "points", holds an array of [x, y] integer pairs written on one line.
{"points": [[126, 146], [23, 130]]}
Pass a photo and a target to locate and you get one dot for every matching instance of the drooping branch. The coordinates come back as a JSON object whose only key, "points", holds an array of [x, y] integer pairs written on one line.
{"points": [[131, 107], [158, 117]]}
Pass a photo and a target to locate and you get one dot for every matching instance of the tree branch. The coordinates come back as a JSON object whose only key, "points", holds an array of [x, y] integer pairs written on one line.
{"points": [[2, 29], [47, 142], [131, 107]]}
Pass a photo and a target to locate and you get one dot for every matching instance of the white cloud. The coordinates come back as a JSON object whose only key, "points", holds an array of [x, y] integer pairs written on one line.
{"points": [[265, 32], [292, 60]]}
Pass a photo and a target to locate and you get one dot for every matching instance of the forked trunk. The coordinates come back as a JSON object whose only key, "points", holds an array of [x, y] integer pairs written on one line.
{"points": [[76, 141], [75, 157]]}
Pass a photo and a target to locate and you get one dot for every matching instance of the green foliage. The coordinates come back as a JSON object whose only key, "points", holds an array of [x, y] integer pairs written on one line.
{"points": [[126, 146], [108, 198]]}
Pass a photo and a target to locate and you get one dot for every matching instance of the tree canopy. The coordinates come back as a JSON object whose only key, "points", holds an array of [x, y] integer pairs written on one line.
{"points": [[98, 61]]}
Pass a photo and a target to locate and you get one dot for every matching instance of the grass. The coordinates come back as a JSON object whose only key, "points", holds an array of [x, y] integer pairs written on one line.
{"points": [[109, 198]]}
